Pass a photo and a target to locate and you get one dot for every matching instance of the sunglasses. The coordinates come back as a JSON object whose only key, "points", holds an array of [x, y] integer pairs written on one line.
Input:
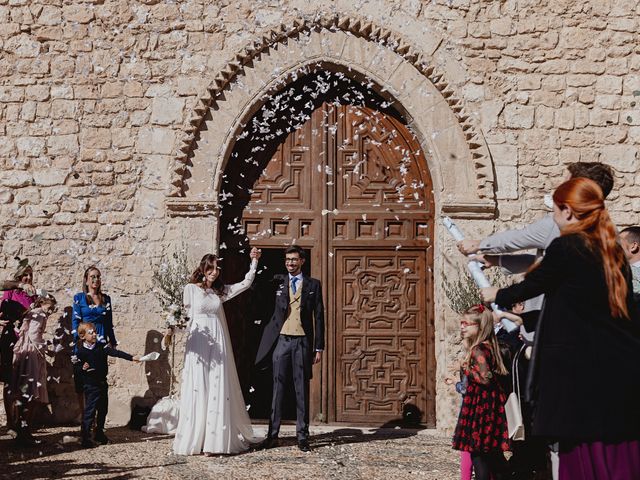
{"points": [[464, 323]]}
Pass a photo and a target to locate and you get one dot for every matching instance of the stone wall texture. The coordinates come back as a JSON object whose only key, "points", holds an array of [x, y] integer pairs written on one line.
{"points": [[97, 96]]}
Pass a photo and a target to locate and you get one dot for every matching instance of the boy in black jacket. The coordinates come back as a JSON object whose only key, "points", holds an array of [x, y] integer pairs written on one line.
{"points": [[93, 356]]}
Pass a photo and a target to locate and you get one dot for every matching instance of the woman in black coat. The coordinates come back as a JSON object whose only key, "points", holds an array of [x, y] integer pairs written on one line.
{"points": [[587, 354]]}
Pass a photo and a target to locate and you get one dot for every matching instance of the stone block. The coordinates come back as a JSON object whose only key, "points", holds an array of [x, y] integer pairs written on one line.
{"points": [[62, 145], [15, 178], [577, 80], [39, 93], [529, 82], [156, 140], [86, 92], [6, 196], [609, 102], [7, 147], [111, 90], [544, 116], [586, 66], [634, 134], [54, 194], [62, 91], [78, 13], [23, 45], [518, 116], [95, 138], [50, 15], [190, 86], [30, 146], [114, 218], [50, 177], [122, 137], [630, 117], [155, 175], [65, 127], [11, 94], [564, 118], [28, 111], [133, 89], [609, 84], [623, 158], [502, 26], [63, 108], [74, 205], [600, 118], [158, 90], [507, 182], [554, 67], [167, 111], [64, 218], [504, 155], [102, 178], [28, 195]]}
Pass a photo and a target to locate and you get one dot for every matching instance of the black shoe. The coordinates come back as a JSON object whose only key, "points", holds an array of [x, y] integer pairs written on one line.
{"points": [[23, 440], [303, 445], [87, 443], [100, 438], [269, 442]]}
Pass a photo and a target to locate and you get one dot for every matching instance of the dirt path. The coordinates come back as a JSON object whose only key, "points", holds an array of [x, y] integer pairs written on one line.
{"points": [[338, 453]]}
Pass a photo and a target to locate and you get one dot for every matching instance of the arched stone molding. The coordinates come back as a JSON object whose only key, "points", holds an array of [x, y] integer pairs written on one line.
{"points": [[457, 154]]}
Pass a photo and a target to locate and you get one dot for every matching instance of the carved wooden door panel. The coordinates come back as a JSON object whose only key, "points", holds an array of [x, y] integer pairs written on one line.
{"points": [[380, 347], [383, 332]]}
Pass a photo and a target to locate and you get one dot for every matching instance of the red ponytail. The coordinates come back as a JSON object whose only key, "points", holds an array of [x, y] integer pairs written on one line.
{"points": [[586, 201]]}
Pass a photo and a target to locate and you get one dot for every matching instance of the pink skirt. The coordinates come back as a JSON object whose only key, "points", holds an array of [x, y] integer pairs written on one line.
{"points": [[29, 380], [601, 461]]}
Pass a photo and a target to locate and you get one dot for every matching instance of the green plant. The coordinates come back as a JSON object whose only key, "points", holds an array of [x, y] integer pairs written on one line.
{"points": [[169, 278], [462, 292]]}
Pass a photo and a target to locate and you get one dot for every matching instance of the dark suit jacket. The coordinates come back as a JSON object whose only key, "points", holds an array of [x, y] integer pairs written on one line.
{"points": [[311, 315], [586, 360]]}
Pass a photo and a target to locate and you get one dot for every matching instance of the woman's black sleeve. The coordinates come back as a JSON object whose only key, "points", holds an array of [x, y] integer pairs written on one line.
{"points": [[541, 279]]}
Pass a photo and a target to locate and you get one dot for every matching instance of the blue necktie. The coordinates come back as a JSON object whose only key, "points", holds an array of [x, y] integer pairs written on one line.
{"points": [[293, 284]]}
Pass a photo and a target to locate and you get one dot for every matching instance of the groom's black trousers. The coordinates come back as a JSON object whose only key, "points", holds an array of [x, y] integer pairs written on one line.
{"points": [[289, 359]]}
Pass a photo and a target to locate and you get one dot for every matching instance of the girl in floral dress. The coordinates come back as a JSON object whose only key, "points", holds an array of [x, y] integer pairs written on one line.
{"points": [[482, 426], [29, 379]]}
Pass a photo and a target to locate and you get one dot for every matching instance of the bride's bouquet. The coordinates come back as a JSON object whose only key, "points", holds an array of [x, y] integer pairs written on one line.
{"points": [[169, 279]]}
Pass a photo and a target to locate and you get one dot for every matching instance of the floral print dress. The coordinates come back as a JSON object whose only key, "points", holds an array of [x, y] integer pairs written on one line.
{"points": [[482, 424]]}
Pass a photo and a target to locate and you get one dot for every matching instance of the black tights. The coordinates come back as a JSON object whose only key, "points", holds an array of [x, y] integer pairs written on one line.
{"points": [[486, 466]]}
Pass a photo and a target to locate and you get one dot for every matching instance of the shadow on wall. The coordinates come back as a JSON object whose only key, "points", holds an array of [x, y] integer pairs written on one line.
{"points": [[158, 375], [64, 401]]}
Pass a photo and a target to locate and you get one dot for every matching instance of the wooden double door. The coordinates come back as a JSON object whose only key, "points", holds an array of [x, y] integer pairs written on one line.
{"points": [[351, 187]]}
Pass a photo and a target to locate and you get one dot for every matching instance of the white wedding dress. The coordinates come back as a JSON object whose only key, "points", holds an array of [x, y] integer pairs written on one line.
{"points": [[213, 416]]}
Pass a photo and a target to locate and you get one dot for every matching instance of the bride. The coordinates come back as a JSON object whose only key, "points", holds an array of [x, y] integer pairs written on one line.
{"points": [[213, 417]]}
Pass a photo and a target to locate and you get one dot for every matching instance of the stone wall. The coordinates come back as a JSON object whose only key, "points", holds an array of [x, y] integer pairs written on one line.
{"points": [[95, 97]]}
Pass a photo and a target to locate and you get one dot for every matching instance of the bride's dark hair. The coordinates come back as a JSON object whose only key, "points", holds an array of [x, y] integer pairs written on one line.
{"points": [[208, 262]]}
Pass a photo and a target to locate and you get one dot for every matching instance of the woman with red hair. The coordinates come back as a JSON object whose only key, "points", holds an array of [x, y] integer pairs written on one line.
{"points": [[585, 389]]}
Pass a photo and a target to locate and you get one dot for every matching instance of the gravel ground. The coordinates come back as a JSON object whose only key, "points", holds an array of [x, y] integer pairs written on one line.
{"points": [[338, 453]]}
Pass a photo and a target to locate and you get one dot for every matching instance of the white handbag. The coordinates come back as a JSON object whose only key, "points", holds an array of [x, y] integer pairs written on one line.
{"points": [[512, 408]]}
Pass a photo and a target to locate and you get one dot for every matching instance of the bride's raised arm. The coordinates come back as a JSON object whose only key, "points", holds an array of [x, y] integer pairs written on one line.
{"points": [[231, 291]]}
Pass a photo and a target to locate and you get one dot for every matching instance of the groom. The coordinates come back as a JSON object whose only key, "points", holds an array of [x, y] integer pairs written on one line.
{"points": [[295, 334]]}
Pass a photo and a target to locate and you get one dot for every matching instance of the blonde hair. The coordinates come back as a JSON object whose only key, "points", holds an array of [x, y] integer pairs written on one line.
{"points": [[21, 271], [482, 316]]}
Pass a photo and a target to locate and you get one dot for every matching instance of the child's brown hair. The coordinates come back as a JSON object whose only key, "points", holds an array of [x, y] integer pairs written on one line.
{"points": [[483, 317], [83, 327]]}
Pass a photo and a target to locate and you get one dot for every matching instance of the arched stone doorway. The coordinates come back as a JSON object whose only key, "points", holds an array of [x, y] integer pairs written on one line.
{"points": [[457, 155], [329, 164]]}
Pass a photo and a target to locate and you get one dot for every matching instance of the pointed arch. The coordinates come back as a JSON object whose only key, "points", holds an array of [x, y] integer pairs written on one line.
{"points": [[457, 154]]}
